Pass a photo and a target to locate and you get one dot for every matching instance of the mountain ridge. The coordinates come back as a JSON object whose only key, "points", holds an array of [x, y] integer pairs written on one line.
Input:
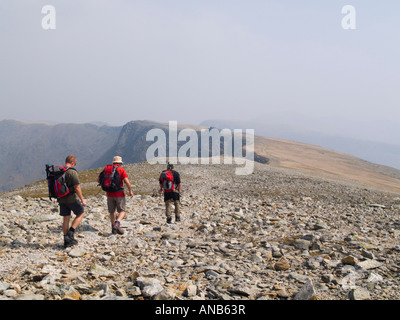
{"points": [[94, 146], [28, 147], [375, 151]]}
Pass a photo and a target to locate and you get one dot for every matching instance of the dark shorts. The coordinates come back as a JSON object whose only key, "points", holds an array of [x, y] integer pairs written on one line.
{"points": [[171, 195], [75, 207]]}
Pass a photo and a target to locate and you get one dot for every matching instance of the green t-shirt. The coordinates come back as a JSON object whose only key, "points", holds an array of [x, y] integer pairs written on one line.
{"points": [[71, 176]]}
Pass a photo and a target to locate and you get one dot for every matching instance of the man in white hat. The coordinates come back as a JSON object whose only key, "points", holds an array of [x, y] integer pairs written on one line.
{"points": [[116, 201]]}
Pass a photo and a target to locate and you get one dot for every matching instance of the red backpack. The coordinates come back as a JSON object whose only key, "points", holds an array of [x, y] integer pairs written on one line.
{"points": [[167, 180], [56, 181], [109, 179]]}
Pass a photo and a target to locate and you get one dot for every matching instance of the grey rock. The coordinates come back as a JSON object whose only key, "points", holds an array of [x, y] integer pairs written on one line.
{"points": [[134, 291], [299, 277], [152, 290], [369, 264], [190, 291], [166, 294], [301, 244], [96, 269], [307, 292], [367, 254], [359, 294], [210, 274], [27, 296], [85, 227], [4, 286], [144, 282], [76, 252], [169, 235]]}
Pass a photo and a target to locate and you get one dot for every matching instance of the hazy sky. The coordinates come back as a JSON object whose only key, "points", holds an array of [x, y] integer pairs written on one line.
{"points": [[186, 60]]}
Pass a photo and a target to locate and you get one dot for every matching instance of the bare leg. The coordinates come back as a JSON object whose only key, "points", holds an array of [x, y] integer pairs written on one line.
{"points": [[115, 225], [65, 225], [121, 215], [113, 217], [77, 221]]}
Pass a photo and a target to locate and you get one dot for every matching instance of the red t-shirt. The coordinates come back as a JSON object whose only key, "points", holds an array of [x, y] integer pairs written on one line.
{"points": [[122, 176]]}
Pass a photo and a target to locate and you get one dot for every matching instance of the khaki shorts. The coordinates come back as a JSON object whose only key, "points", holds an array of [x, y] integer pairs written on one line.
{"points": [[118, 204]]}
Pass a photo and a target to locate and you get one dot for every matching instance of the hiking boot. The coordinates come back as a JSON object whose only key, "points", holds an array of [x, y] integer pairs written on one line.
{"points": [[69, 240], [116, 228], [177, 219], [169, 220], [70, 235], [67, 243]]}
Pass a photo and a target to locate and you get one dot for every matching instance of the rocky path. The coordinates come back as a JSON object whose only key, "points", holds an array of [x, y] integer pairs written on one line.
{"points": [[275, 234]]}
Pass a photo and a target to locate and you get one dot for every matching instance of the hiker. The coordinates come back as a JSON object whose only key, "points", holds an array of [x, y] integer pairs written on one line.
{"points": [[72, 202], [170, 184], [116, 201]]}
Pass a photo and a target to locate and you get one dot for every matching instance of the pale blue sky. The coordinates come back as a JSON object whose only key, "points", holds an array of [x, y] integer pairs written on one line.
{"points": [[116, 61]]}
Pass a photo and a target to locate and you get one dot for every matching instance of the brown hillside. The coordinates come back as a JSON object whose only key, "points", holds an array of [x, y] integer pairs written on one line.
{"points": [[318, 161]]}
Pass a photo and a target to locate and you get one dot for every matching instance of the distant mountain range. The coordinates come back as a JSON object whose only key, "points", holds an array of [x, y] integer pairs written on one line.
{"points": [[373, 151], [27, 147]]}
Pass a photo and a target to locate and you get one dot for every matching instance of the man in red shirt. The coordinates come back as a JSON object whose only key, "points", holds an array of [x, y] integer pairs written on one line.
{"points": [[116, 201]]}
